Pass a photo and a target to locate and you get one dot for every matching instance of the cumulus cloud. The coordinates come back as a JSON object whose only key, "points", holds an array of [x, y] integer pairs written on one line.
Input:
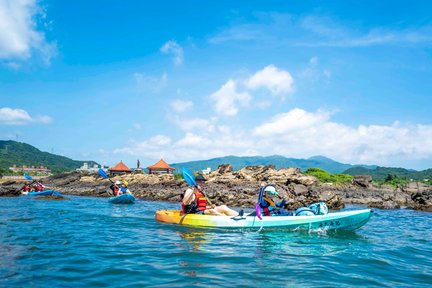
{"points": [[277, 81], [9, 116], [227, 99], [297, 133], [19, 34], [150, 83], [179, 105], [173, 48]]}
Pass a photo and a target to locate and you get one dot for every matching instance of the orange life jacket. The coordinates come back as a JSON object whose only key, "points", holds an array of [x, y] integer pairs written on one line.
{"points": [[199, 204], [116, 190]]}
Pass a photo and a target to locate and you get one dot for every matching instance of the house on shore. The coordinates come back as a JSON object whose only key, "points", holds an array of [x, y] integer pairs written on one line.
{"points": [[160, 167], [119, 169]]}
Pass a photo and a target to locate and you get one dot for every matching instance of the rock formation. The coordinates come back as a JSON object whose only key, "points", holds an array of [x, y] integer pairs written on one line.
{"points": [[240, 188]]}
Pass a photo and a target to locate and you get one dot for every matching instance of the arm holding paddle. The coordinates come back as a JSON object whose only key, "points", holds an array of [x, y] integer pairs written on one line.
{"points": [[195, 200]]}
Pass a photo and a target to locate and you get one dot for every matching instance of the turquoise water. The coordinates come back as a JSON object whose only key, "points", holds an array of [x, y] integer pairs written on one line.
{"points": [[88, 242]]}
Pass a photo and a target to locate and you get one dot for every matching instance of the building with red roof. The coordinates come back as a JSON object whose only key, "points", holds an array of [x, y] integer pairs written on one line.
{"points": [[119, 169], [160, 167]]}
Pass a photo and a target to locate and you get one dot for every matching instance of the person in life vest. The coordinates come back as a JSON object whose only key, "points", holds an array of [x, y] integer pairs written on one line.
{"points": [[25, 189], [39, 186], [115, 188], [124, 188], [194, 202], [269, 207]]}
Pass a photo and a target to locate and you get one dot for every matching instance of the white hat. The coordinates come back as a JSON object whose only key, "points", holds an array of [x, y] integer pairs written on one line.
{"points": [[271, 190], [117, 182]]}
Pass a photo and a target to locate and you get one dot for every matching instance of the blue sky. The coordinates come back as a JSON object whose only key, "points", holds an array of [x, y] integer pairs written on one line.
{"points": [[190, 80]]}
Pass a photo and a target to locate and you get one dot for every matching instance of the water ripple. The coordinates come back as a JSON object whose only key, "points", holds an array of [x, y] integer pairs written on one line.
{"points": [[89, 242]]}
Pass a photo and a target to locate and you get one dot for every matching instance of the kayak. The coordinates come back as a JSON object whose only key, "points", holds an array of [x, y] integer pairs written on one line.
{"points": [[346, 220], [122, 199], [45, 193]]}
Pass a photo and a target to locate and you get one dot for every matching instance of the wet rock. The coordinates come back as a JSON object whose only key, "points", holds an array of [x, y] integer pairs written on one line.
{"points": [[363, 181]]}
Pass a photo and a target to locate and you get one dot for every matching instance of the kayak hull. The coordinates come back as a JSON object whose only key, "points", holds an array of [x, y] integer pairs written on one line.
{"points": [[122, 199], [346, 220], [45, 193]]}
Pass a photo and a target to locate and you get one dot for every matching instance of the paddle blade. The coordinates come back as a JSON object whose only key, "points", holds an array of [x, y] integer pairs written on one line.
{"points": [[189, 177], [258, 211], [28, 177], [102, 173]]}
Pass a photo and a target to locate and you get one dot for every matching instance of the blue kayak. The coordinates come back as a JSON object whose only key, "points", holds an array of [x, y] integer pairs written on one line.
{"points": [[122, 199], [45, 193]]}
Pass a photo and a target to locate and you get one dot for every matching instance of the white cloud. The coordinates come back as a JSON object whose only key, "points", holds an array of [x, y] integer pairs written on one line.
{"points": [[150, 83], [296, 133], [9, 116], [227, 98], [277, 81], [277, 29], [19, 37], [179, 105], [173, 48]]}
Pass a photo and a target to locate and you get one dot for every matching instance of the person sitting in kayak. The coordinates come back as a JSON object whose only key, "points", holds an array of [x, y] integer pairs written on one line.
{"points": [[194, 202], [39, 186], [269, 207], [115, 187], [25, 189], [124, 188]]}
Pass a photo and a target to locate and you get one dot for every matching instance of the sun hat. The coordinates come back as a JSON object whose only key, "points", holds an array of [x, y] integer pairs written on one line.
{"points": [[271, 190]]}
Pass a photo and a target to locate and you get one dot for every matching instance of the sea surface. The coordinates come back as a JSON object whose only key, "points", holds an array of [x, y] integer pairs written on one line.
{"points": [[88, 242]]}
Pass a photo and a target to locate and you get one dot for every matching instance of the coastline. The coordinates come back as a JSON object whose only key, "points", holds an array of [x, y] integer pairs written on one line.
{"points": [[239, 188]]}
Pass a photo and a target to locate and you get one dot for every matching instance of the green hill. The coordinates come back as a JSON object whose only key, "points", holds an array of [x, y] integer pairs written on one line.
{"points": [[277, 160], [381, 173], [12, 152]]}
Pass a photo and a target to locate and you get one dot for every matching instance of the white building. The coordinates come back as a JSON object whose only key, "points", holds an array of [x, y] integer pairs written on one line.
{"points": [[86, 168], [206, 171]]}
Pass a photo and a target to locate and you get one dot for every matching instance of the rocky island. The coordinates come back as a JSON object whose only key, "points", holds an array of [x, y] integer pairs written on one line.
{"points": [[239, 188]]}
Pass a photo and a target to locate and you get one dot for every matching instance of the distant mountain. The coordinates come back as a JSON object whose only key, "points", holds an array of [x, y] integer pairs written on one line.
{"points": [[380, 173], [279, 161], [12, 152]]}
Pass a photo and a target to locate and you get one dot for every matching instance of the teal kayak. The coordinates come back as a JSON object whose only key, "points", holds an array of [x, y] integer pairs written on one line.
{"points": [[345, 220], [45, 193], [122, 199]]}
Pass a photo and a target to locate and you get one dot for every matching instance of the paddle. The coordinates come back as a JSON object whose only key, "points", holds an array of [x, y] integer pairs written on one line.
{"points": [[102, 173], [190, 179], [257, 205], [28, 177]]}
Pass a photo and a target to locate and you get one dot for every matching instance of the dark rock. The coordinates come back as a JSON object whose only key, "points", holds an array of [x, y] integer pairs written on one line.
{"points": [[363, 181]]}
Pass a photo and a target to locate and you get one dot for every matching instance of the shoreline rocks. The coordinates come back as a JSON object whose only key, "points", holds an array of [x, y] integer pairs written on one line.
{"points": [[240, 188]]}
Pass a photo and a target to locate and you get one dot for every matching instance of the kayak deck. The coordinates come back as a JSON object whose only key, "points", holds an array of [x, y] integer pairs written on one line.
{"points": [[45, 193], [345, 220], [122, 199]]}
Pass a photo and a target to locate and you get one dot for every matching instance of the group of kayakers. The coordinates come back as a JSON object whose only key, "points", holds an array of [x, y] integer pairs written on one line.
{"points": [[36, 186], [193, 201]]}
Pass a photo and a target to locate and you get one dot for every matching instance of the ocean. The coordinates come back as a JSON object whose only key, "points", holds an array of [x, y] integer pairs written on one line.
{"points": [[88, 242]]}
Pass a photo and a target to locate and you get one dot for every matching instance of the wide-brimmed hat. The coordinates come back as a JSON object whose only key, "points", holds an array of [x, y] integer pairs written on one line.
{"points": [[200, 177]]}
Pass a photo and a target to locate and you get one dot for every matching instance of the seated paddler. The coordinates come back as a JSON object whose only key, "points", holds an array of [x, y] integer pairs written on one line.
{"points": [[269, 207], [194, 201]]}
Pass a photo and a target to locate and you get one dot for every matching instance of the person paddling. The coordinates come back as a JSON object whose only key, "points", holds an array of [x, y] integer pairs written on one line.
{"points": [[124, 188], [269, 207], [115, 188], [194, 202], [25, 189], [39, 186]]}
